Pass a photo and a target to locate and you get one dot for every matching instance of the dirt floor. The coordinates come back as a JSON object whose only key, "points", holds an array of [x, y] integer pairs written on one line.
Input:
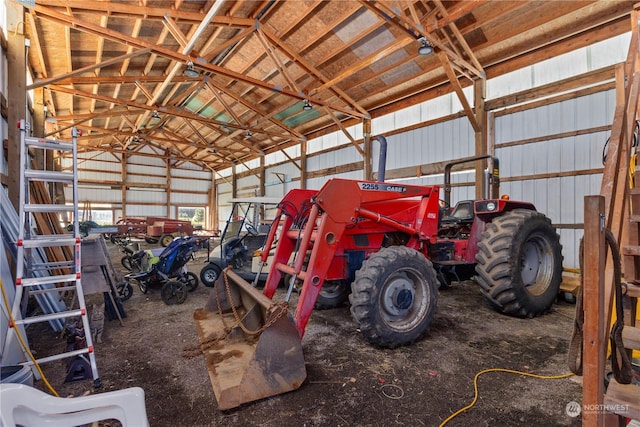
{"points": [[349, 382]]}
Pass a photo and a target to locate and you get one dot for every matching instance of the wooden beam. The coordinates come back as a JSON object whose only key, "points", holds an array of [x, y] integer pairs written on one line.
{"points": [[175, 31], [80, 25], [16, 94], [594, 343], [345, 131], [88, 68], [444, 59], [481, 148]]}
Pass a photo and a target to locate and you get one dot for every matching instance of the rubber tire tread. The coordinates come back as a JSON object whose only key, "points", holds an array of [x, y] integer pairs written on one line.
{"points": [[497, 265], [203, 277], [190, 280], [369, 278], [165, 239], [127, 293], [173, 292], [334, 301]]}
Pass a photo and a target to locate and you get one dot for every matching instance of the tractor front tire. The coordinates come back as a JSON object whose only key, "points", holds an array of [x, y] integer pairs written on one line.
{"points": [[394, 296], [333, 294], [519, 263]]}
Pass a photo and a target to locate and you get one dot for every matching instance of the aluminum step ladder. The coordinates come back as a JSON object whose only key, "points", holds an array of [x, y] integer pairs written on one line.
{"points": [[64, 275]]}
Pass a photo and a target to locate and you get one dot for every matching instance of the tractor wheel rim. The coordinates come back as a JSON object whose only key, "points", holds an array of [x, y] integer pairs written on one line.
{"points": [[536, 264], [403, 301]]}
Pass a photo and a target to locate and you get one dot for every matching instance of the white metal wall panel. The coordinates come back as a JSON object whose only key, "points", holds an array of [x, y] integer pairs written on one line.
{"points": [[145, 210], [317, 183], [560, 67], [189, 199], [223, 187], [190, 173], [149, 195], [224, 208], [188, 168], [332, 158], [248, 186], [435, 108], [513, 82], [409, 116], [153, 160], [186, 184], [609, 51], [560, 198], [100, 176], [91, 193], [149, 170]]}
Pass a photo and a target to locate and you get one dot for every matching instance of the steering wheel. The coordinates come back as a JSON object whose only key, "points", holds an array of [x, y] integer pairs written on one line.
{"points": [[251, 229]]}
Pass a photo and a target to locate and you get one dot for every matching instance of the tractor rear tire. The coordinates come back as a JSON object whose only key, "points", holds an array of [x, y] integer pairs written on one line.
{"points": [[519, 263], [333, 294], [394, 296]]}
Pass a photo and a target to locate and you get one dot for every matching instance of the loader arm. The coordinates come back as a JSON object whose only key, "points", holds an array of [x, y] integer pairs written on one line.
{"points": [[261, 354], [338, 205]]}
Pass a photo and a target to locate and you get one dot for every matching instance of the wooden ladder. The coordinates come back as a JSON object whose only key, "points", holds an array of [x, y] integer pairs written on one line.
{"points": [[618, 209], [624, 399]]}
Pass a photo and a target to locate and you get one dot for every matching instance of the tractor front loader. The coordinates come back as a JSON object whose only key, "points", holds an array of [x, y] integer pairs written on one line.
{"points": [[387, 248]]}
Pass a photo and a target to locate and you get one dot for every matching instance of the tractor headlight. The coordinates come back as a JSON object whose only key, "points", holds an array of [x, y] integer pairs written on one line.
{"points": [[491, 206]]}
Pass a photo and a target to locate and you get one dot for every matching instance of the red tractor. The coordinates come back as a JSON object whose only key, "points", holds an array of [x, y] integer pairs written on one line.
{"points": [[387, 247]]}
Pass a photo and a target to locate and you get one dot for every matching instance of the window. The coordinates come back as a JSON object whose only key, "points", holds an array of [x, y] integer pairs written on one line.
{"points": [[196, 215]]}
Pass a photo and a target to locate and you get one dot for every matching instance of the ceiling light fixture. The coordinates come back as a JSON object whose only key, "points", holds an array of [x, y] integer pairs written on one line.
{"points": [[155, 114], [306, 106], [425, 47], [190, 71]]}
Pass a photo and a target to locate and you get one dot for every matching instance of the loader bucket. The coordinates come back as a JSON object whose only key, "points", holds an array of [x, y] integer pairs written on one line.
{"points": [[244, 366]]}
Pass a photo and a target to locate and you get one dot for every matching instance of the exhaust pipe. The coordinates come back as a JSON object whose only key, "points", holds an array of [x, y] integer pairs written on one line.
{"points": [[382, 159]]}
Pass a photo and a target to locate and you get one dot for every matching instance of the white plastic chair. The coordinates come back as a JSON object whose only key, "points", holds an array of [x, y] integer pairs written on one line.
{"points": [[22, 405]]}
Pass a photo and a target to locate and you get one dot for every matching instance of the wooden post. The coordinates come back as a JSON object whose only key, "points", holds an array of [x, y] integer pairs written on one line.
{"points": [[479, 90], [262, 178], [123, 175], [212, 221], [594, 321], [168, 184], [303, 164], [16, 94], [234, 180]]}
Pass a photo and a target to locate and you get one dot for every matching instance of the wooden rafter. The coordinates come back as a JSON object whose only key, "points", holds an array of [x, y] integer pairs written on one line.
{"points": [[177, 56], [468, 110]]}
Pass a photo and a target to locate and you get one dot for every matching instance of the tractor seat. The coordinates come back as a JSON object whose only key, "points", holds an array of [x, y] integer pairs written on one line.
{"points": [[463, 212]]}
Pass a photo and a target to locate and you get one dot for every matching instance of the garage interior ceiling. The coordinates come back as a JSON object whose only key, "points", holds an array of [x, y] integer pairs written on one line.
{"points": [[269, 74]]}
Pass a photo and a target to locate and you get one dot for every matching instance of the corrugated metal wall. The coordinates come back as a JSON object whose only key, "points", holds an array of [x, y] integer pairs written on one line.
{"points": [[555, 173]]}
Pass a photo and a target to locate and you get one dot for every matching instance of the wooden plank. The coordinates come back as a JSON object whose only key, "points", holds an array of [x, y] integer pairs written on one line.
{"points": [[631, 250], [594, 325], [631, 337], [623, 399]]}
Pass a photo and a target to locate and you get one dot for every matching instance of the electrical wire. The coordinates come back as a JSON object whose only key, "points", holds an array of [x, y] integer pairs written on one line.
{"points": [[22, 341], [509, 371]]}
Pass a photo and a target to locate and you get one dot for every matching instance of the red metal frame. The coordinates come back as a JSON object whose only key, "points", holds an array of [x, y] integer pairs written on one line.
{"points": [[340, 210]]}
